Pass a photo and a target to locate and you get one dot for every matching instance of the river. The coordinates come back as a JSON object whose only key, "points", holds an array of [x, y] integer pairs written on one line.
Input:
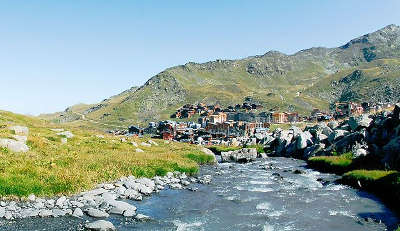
{"points": [[264, 195]]}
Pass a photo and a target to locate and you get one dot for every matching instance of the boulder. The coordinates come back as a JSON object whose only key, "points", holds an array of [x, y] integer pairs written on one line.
{"points": [[337, 134], [13, 145], [100, 225], [303, 140], [360, 152], [314, 150], [359, 122], [66, 134], [20, 130], [210, 153], [96, 213], [392, 153], [77, 212], [243, 155], [145, 144], [152, 143], [333, 124], [119, 207]]}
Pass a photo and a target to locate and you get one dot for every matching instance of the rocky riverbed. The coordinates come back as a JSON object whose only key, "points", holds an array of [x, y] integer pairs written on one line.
{"points": [[270, 194]]}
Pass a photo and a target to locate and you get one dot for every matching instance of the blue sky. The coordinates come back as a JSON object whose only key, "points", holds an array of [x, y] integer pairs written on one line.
{"points": [[54, 54]]}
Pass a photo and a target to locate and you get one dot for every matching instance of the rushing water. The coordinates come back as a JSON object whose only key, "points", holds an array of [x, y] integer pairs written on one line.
{"points": [[250, 197]]}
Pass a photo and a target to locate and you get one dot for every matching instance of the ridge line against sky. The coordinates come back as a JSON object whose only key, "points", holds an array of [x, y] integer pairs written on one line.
{"points": [[58, 53]]}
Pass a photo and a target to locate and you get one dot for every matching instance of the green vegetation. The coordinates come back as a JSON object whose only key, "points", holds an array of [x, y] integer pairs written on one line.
{"points": [[259, 147], [220, 148], [51, 167], [338, 164]]}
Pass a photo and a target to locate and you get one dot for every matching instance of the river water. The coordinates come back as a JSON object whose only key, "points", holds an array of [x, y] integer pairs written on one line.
{"points": [[264, 195]]}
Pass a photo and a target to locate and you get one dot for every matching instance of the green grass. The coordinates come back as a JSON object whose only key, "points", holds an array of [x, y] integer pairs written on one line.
{"points": [[337, 164], [200, 157], [219, 148], [50, 167], [368, 175], [259, 147]]}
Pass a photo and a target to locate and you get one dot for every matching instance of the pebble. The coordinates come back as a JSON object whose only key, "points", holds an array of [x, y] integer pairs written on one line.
{"points": [[77, 212]]}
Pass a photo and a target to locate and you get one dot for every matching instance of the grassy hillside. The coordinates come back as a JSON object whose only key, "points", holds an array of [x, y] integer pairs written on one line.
{"points": [[302, 81], [51, 167]]}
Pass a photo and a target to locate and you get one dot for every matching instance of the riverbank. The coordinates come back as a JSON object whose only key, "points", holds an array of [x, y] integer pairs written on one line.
{"points": [[266, 194]]}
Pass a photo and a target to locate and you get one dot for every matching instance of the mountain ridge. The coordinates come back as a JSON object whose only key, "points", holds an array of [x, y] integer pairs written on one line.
{"points": [[274, 79]]}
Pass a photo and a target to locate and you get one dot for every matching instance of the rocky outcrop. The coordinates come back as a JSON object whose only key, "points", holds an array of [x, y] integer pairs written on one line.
{"points": [[241, 156], [375, 136], [18, 143]]}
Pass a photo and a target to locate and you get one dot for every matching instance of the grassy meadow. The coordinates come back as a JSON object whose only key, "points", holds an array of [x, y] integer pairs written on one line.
{"points": [[51, 168]]}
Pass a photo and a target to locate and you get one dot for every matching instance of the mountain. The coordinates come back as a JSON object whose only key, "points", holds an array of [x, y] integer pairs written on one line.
{"points": [[364, 69]]}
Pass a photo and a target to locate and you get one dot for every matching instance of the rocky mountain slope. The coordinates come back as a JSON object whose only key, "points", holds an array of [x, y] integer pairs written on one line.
{"points": [[364, 69]]}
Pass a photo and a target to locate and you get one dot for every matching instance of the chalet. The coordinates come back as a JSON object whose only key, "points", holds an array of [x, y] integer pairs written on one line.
{"points": [[218, 117], [279, 117]]}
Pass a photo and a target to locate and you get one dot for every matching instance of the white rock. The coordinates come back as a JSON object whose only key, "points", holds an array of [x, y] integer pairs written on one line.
{"points": [[139, 150], [20, 130], [100, 225], [134, 143], [58, 212], [97, 213], [45, 213], [129, 213], [67, 134], [60, 201], [2, 212], [19, 138], [152, 142], [57, 129], [77, 212], [32, 197], [13, 145], [64, 140], [145, 144], [142, 217], [119, 207]]}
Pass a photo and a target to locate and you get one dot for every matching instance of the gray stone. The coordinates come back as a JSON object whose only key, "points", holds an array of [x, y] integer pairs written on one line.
{"points": [[31, 197], [77, 212], [8, 215], [2, 212], [19, 138], [360, 153], [96, 213], [145, 144], [45, 213], [60, 201], [242, 155], [100, 225], [133, 195], [333, 124], [152, 142], [337, 134], [20, 130], [359, 121], [66, 134], [58, 213], [119, 207], [13, 145], [129, 213], [303, 140], [142, 217]]}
